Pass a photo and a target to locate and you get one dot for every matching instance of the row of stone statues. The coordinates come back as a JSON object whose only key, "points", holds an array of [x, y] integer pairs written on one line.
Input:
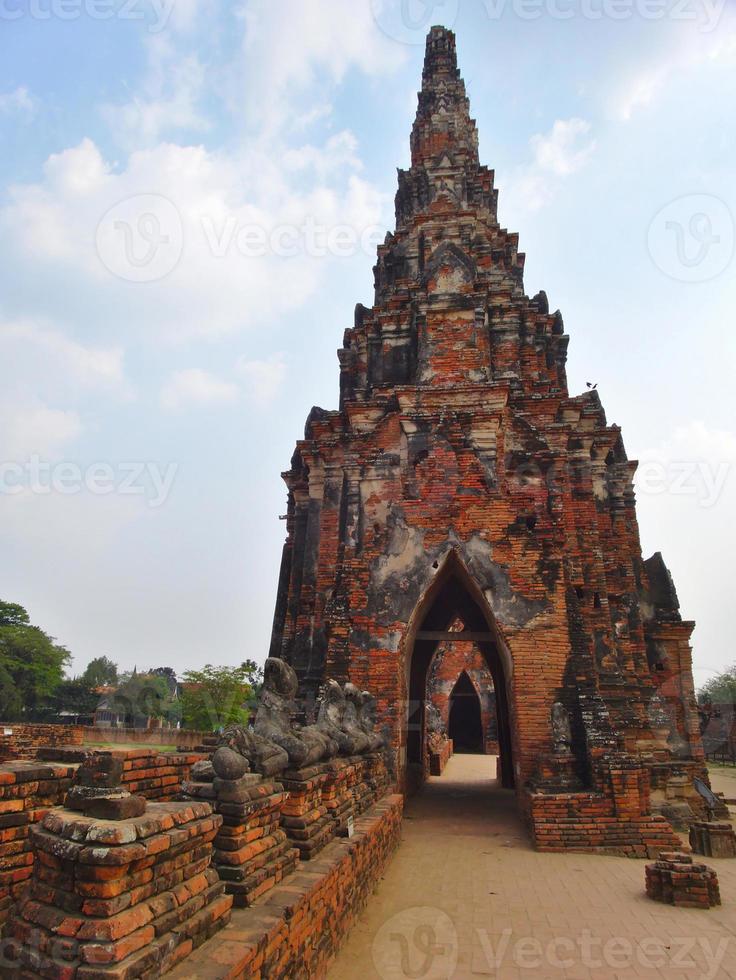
{"points": [[345, 726]]}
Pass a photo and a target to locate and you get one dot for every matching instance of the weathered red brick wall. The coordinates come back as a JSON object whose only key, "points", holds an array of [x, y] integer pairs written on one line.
{"points": [[27, 791], [299, 926], [450, 661], [22, 741], [460, 476]]}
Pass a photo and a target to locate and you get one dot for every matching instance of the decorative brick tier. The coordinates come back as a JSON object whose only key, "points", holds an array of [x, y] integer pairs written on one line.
{"points": [[27, 791], [304, 818], [297, 929], [117, 899], [676, 880], [713, 839]]}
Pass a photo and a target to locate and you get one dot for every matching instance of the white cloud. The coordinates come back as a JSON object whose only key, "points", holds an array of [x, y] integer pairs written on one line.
{"points": [[305, 41], [560, 152], [557, 154], [264, 380], [33, 428], [219, 284], [19, 100], [167, 101], [92, 367], [682, 47], [196, 387]]}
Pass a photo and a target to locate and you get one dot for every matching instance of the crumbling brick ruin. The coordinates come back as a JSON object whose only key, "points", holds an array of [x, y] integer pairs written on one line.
{"points": [[460, 480]]}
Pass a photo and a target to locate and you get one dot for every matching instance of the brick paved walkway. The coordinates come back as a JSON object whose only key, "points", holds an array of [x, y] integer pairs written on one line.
{"points": [[466, 890]]}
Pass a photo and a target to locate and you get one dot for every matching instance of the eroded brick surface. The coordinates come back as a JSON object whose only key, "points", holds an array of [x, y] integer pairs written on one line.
{"points": [[460, 477]]}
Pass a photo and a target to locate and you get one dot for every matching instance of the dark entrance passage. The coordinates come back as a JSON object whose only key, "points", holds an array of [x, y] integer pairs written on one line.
{"points": [[465, 726], [453, 596]]}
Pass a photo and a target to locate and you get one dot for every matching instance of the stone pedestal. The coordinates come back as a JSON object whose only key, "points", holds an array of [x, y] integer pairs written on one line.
{"points": [[675, 880], [117, 899], [337, 797], [376, 775], [359, 785], [713, 839], [252, 853], [304, 818]]}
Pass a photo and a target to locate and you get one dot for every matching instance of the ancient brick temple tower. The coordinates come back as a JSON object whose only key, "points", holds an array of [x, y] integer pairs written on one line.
{"points": [[461, 482]]}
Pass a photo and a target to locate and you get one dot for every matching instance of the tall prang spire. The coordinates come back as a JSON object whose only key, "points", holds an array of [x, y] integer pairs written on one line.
{"points": [[443, 120], [444, 141]]}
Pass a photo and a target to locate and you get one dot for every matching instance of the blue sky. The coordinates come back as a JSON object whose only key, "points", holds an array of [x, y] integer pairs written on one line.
{"points": [[151, 393]]}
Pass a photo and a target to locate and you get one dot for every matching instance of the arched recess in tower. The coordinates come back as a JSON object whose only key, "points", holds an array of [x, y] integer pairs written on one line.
{"points": [[454, 594]]}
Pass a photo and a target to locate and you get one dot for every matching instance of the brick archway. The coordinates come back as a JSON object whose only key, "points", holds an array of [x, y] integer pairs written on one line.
{"points": [[454, 595]]}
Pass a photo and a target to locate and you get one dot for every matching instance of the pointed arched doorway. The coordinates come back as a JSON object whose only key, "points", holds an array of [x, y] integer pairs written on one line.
{"points": [[452, 595], [465, 726]]}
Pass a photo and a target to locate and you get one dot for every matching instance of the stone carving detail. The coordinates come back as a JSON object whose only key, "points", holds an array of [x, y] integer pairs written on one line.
{"points": [[261, 755], [277, 709], [331, 718], [367, 719], [561, 733], [351, 719]]}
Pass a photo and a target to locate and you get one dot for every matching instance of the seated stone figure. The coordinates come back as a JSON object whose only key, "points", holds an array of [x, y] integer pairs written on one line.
{"points": [[351, 719], [330, 720], [277, 709], [367, 719], [264, 757]]}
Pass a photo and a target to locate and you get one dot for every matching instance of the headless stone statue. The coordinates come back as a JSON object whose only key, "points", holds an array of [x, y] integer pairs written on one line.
{"points": [[367, 719], [435, 724], [262, 756], [351, 719], [561, 733], [277, 709], [330, 720]]}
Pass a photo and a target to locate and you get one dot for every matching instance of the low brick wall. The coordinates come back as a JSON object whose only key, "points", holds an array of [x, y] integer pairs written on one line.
{"points": [[298, 927], [585, 822], [155, 775], [158, 776], [21, 741], [27, 791], [181, 738]]}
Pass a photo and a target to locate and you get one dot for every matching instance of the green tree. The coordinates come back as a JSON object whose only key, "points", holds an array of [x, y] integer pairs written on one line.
{"points": [[100, 672], [720, 689], [11, 705], [218, 696], [143, 696], [32, 660], [74, 695]]}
